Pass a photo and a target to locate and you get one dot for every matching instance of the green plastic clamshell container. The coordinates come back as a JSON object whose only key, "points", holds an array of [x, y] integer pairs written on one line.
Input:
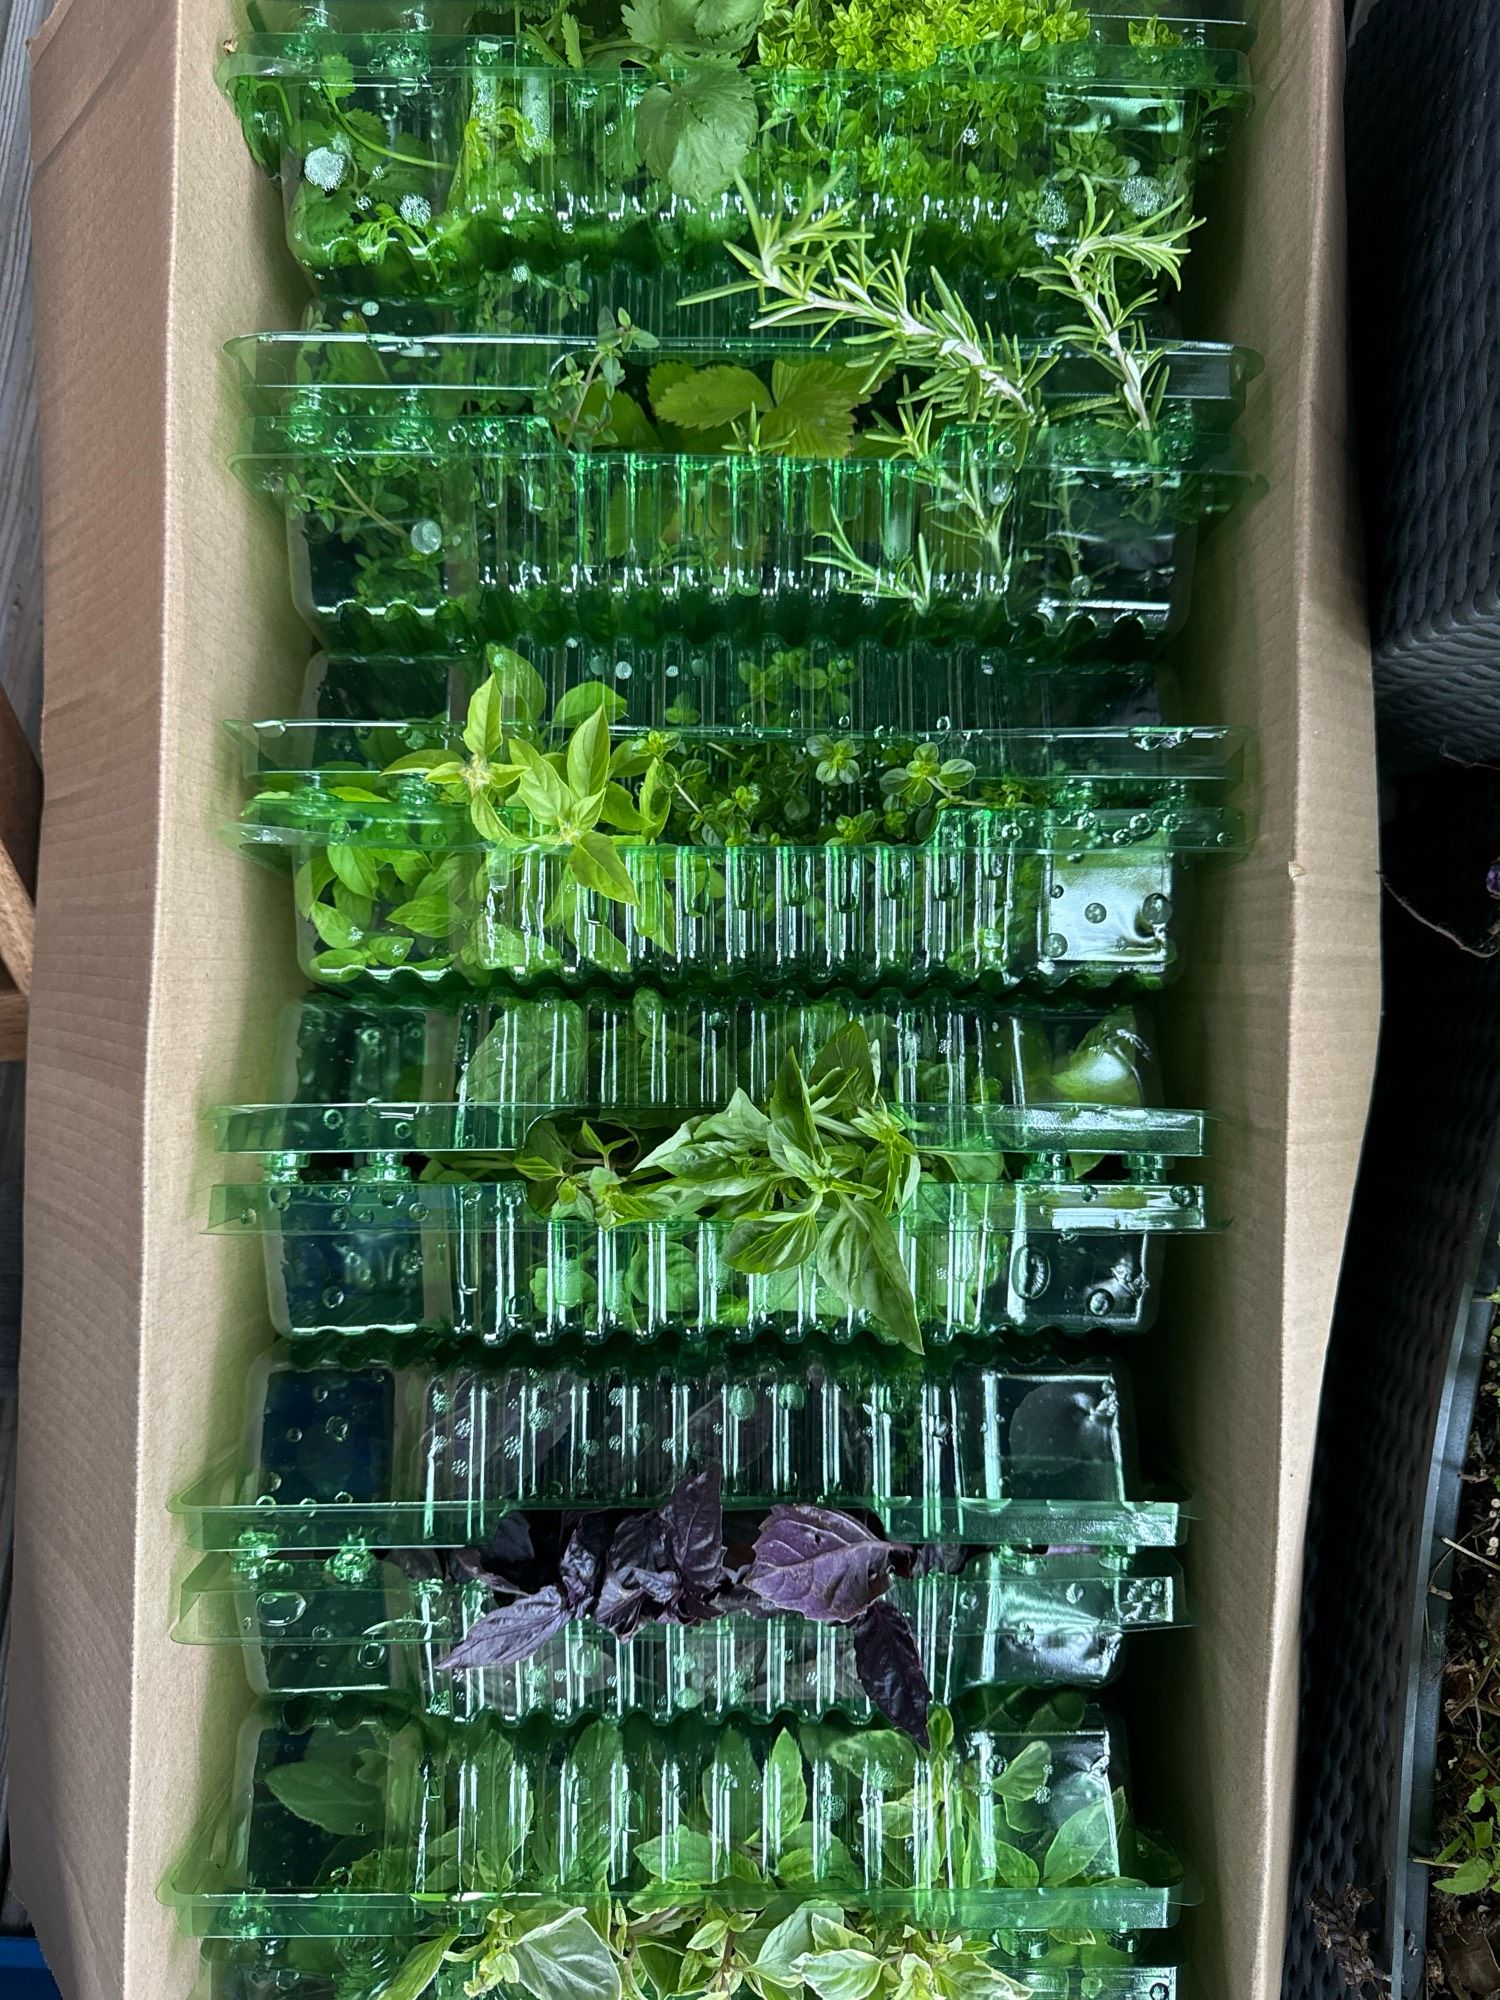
{"points": [[1124, 1967], [1063, 858], [352, 1822], [430, 1450], [338, 1625], [426, 154], [389, 1200], [439, 493]]}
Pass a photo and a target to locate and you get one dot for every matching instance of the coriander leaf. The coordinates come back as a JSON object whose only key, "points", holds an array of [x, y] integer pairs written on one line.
{"points": [[420, 1968], [691, 27], [696, 133], [708, 398], [567, 1959], [890, 1668], [858, 1259], [820, 1562]]}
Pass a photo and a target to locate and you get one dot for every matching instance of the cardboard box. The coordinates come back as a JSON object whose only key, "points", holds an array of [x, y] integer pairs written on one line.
{"points": [[162, 961]]}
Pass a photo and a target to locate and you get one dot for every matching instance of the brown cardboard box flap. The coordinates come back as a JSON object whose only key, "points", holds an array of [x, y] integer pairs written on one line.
{"points": [[162, 960]]}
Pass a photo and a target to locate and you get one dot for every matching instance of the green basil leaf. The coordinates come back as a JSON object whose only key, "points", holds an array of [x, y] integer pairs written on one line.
{"points": [[418, 1971], [567, 1960], [859, 1260], [327, 1796]]}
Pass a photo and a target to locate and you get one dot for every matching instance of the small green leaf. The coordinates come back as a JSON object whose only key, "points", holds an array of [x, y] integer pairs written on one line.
{"points": [[859, 1260], [541, 789], [355, 867], [840, 1975], [567, 1960], [521, 691], [484, 732], [696, 134], [581, 700], [683, 1855], [786, 1787], [760, 1244], [1083, 1848], [426, 916], [326, 1796], [596, 863], [707, 398], [334, 928], [1468, 1878], [418, 1971], [588, 755], [1013, 1869]]}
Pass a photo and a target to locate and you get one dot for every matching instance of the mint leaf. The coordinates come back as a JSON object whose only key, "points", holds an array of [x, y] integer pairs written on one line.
{"points": [[696, 133]]}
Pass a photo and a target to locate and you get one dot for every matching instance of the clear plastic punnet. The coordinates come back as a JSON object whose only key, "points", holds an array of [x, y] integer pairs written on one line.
{"points": [[352, 1822], [341, 1625], [1124, 1967], [443, 492], [764, 686], [425, 153], [806, 815], [586, 1167], [433, 1452]]}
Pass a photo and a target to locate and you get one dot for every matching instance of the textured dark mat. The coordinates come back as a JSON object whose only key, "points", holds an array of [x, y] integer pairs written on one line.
{"points": [[1422, 1244], [1422, 107]]}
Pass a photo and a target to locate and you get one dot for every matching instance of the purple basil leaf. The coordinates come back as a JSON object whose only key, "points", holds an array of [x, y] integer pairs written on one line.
{"points": [[695, 1521], [938, 1558], [510, 1561], [512, 1633], [817, 1561], [581, 1572], [890, 1669], [640, 1577]]}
